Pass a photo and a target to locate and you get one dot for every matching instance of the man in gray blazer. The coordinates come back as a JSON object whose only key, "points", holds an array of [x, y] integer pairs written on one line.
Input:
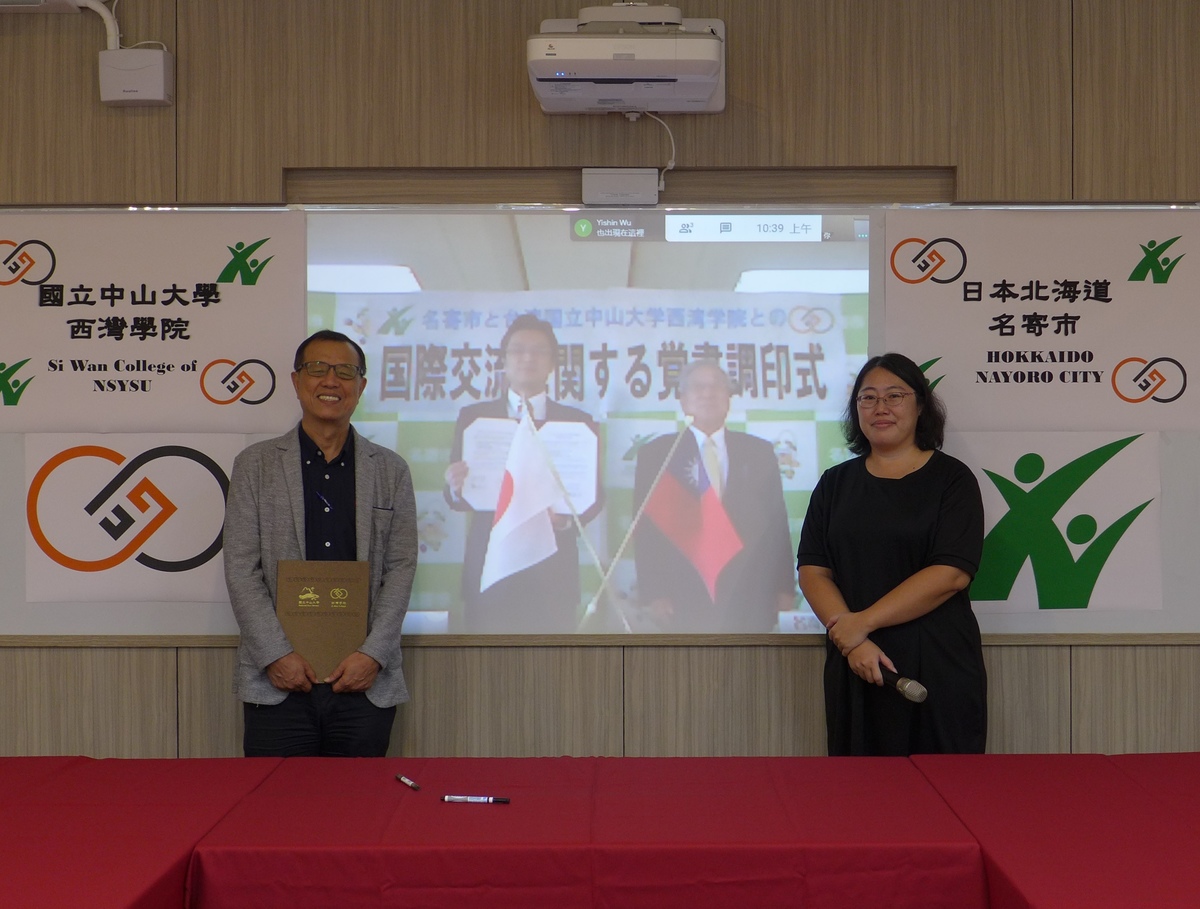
{"points": [[320, 492]]}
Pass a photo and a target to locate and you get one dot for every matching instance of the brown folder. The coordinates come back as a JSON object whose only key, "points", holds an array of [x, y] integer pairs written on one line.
{"points": [[322, 607]]}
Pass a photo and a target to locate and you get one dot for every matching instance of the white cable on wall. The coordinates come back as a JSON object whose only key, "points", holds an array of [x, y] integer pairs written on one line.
{"points": [[112, 31]]}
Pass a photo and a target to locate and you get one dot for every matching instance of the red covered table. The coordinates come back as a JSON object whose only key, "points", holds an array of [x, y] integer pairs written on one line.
{"points": [[19, 775], [111, 833], [1173, 779], [1067, 831], [591, 832]]}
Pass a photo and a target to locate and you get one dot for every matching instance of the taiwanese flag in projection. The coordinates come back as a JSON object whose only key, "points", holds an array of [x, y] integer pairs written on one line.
{"points": [[688, 511]]}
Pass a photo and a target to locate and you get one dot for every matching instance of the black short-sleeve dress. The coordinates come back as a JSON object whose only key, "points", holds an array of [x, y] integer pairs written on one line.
{"points": [[873, 533]]}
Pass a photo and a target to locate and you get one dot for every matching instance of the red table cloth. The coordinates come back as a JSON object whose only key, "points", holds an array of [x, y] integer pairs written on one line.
{"points": [[113, 833], [1051, 831], [1173, 779], [1068, 832], [20, 775], [583, 832]]}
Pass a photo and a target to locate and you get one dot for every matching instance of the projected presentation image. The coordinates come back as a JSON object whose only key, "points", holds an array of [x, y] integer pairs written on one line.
{"points": [[614, 419]]}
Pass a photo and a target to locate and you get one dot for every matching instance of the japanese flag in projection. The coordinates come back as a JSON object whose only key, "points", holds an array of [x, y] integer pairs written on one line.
{"points": [[522, 533]]}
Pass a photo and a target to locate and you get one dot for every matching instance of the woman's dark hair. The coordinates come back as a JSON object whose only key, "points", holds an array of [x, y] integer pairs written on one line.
{"points": [[931, 420], [326, 334]]}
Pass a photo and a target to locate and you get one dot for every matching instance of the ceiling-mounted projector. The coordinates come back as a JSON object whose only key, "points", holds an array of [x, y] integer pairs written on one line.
{"points": [[628, 57]]}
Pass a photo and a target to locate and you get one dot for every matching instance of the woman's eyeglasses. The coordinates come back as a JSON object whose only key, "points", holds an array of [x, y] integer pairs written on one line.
{"points": [[891, 399]]}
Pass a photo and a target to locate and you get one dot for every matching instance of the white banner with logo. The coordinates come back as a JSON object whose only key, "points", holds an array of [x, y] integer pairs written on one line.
{"points": [[120, 518], [1072, 520], [1049, 320], [150, 320]]}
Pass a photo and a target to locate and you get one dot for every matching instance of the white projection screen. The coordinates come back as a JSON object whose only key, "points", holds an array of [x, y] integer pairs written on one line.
{"points": [[598, 515]]}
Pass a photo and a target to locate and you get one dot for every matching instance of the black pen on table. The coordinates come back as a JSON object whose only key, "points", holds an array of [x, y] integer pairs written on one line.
{"points": [[477, 799], [407, 782]]}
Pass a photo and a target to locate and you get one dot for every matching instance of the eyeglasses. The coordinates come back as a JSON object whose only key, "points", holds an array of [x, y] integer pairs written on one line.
{"points": [[891, 399], [318, 368]]}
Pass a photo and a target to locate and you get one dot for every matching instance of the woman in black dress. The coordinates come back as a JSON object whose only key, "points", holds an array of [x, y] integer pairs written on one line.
{"points": [[890, 544]]}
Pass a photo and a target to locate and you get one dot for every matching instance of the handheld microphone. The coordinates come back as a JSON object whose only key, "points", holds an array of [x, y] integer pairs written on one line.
{"points": [[910, 688]]}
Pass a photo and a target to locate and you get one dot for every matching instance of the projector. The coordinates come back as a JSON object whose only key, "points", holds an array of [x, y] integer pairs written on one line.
{"points": [[644, 58]]}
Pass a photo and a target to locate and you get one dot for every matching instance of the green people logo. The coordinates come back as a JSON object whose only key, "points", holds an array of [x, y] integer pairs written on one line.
{"points": [[11, 388], [397, 322], [242, 266], [1028, 532], [1154, 264], [583, 228], [928, 365]]}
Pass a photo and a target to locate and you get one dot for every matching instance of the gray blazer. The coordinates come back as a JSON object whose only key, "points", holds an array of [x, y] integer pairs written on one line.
{"points": [[264, 522]]}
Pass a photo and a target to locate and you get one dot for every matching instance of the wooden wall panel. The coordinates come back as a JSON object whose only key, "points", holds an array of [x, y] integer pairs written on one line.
{"points": [[639, 699], [839, 84], [510, 702], [482, 701], [1011, 76], [210, 717], [59, 144], [100, 702], [724, 700], [273, 85], [1029, 699], [764, 710], [1135, 699], [1028, 100], [1137, 65]]}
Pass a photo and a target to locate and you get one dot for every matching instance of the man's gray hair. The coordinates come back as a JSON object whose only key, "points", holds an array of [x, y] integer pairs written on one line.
{"points": [[693, 366]]}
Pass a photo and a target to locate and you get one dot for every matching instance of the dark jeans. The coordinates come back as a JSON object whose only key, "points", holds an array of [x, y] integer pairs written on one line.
{"points": [[318, 724]]}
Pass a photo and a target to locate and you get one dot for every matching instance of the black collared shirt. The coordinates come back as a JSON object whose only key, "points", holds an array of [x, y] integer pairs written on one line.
{"points": [[328, 501]]}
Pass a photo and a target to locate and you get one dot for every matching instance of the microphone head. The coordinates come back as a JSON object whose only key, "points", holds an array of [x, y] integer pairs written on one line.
{"points": [[913, 690]]}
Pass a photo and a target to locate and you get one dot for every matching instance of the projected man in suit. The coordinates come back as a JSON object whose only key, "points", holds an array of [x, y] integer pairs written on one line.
{"points": [[712, 549], [543, 598]]}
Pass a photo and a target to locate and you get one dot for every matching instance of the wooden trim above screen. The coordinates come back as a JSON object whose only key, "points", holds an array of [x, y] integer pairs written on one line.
{"points": [[558, 186]]}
